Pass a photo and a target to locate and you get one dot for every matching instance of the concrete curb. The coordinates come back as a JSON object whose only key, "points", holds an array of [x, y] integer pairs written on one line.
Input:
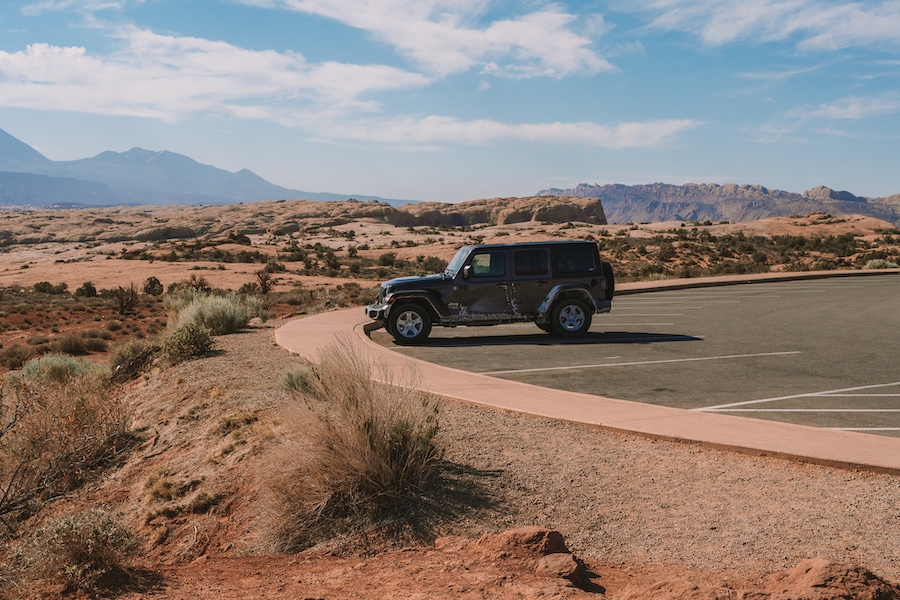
{"points": [[767, 438]]}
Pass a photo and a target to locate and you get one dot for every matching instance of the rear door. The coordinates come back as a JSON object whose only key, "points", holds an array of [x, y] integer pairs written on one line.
{"points": [[531, 280]]}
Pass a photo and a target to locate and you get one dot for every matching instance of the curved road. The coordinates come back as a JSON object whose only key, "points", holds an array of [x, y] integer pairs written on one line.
{"points": [[827, 446]]}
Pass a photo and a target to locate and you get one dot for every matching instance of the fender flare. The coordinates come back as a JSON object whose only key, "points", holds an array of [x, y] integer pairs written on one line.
{"points": [[422, 297], [563, 290]]}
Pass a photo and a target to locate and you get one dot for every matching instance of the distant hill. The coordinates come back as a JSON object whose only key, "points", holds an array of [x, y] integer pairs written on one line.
{"points": [[730, 202], [138, 176]]}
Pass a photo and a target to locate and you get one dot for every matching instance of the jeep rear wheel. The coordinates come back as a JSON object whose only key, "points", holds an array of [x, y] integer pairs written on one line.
{"points": [[570, 318], [409, 324]]}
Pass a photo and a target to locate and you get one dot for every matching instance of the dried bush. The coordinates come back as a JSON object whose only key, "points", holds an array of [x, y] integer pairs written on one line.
{"points": [[15, 356], [131, 358], [190, 340], [365, 448], [126, 299], [54, 434], [153, 287], [77, 550]]}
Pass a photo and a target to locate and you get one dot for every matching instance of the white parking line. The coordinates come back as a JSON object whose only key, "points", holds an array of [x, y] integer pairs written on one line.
{"points": [[607, 323], [809, 395], [633, 364], [816, 410]]}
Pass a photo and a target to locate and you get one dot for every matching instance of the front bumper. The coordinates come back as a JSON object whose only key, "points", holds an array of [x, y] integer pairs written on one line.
{"points": [[377, 311]]}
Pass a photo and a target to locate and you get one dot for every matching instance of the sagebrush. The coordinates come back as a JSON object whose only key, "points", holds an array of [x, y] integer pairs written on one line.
{"points": [[54, 435], [364, 447]]}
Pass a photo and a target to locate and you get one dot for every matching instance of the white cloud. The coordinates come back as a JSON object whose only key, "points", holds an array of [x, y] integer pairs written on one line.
{"points": [[853, 107], [439, 129], [36, 8], [168, 77], [816, 24], [444, 35]]}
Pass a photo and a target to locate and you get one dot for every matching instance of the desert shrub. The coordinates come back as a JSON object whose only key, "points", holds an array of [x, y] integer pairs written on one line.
{"points": [[387, 259], [298, 380], [366, 448], [72, 344], [15, 356], [195, 284], [54, 434], [126, 298], [187, 341], [220, 314], [45, 287], [87, 290], [56, 368], [153, 287], [78, 550], [433, 264], [131, 358], [880, 263]]}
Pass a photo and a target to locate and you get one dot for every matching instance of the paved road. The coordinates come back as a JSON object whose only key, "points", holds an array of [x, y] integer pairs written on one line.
{"points": [[823, 352]]}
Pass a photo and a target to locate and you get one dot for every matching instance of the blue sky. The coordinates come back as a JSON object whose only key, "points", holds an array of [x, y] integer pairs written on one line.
{"points": [[454, 100]]}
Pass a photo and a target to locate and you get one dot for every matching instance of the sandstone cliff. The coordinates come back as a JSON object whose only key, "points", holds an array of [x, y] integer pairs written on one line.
{"points": [[730, 202]]}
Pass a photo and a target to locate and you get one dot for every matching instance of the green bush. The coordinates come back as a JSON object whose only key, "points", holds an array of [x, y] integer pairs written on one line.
{"points": [[220, 314], [298, 380], [55, 368], [79, 549], [190, 340], [880, 263], [367, 449]]}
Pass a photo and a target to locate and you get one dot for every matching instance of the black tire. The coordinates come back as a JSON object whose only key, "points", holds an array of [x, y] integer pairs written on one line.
{"points": [[544, 326], [570, 318], [409, 323]]}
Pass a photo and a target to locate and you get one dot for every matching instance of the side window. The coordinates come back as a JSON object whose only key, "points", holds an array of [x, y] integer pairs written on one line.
{"points": [[575, 260], [531, 262], [489, 264]]}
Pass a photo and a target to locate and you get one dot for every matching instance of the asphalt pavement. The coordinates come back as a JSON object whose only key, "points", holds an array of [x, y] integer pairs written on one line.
{"points": [[753, 339]]}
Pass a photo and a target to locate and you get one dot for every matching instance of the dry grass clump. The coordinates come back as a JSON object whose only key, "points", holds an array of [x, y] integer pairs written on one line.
{"points": [[220, 314], [75, 552], [59, 421], [363, 450]]}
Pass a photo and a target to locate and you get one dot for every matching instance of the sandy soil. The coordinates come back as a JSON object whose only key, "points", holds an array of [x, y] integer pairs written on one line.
{"points": [[645, 518]]}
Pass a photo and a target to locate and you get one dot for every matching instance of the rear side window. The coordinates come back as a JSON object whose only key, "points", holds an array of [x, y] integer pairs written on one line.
{"points": [[531, 262], [575, 260], [489, 264]]}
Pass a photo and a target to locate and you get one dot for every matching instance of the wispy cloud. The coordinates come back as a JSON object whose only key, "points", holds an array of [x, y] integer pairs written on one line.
{"points": [[438, 129], [853, 107], [775, 76], [36, 8], [446, 36], [814, 24]]}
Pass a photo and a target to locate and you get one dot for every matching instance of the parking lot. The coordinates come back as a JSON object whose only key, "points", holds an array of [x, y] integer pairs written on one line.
{"points": [[820, 352]]}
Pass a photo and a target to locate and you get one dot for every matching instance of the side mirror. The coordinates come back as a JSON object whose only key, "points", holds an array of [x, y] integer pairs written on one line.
{"points": [[467, 271]]}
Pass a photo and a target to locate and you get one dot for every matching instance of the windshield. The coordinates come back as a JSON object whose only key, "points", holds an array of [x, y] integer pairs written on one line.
{"points": [[457, 262]]}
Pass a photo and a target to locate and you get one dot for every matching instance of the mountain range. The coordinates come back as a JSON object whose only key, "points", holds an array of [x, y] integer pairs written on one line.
{"points": [[138, 176], [657, 202]]}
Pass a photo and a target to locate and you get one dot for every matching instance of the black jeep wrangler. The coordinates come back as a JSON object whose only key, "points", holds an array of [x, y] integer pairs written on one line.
{"points": [[558, 285]]}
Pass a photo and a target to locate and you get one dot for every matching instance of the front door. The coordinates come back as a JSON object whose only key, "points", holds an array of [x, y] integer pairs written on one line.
{"points": [[484, 290]]}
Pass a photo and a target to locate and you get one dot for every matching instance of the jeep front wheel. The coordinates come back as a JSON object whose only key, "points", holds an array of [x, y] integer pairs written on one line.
{"points": [[409, 324], [570, 318]]}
